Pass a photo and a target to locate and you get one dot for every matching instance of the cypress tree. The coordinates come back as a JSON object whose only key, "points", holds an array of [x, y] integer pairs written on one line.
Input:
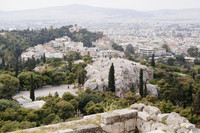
{"points": [[44, 58], [3, 62], [16, 68], [190, 100], [141, 83], [152, 61], [32, 91], [196, 103], [111, 78], [145, 90]]}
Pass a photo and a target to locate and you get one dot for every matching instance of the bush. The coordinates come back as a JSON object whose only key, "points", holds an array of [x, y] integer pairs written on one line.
{"points": [[67, 96], [85, 98], [4, 104]]}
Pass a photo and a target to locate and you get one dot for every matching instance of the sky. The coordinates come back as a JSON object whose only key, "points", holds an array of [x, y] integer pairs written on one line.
{"points": [[140, 5]]}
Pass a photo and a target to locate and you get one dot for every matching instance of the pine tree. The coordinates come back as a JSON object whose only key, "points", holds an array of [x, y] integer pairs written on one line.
{"points": [[32, 91], [111, 78], [145, 90], [152, 61], [141, 83]]}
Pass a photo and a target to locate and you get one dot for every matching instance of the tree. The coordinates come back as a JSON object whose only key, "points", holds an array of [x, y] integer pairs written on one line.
{"points": [[193, 52], [111, 78], [165, 46], [196, 103], [32, 91], [152, 61], [170, 61], [130, 49], [16, 68], [190, 100], [44, 58], [3, 62], [8, 86], [145, 90], [141, 83]]}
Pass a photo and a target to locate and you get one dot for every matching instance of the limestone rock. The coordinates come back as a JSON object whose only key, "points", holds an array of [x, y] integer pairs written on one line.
{"points": [[188, 125], [156, 131], [175, 119], [152, 89], [152, 110], [91, 128], [138, 107], [126, 74], [144, 116], [65, 131], [162, 117]]}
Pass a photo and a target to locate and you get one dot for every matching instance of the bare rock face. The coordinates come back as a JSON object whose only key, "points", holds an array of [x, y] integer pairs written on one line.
{"points": [[126, 74]]}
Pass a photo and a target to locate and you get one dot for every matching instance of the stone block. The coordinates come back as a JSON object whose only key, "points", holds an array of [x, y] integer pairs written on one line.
{"points": [[65, 131], [113, 128], [110, 118], [91, 128], [126, 114]]}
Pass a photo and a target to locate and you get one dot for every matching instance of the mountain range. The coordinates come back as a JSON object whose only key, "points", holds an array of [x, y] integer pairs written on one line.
{"points": [[84, 12]]}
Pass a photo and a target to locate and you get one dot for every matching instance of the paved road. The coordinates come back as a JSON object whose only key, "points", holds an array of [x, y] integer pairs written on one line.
{"points": [[44, 91]]}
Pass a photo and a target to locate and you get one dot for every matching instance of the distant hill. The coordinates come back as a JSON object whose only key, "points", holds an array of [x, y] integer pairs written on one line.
{"points": [[84, 12]]}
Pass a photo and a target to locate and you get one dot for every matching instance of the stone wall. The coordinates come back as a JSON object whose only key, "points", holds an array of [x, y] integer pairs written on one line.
{"points": [[146, 119]]}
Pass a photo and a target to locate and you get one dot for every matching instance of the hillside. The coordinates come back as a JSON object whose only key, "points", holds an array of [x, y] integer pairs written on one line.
{"points": [[83, 12]]}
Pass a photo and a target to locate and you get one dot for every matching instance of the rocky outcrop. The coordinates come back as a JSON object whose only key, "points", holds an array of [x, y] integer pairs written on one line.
{"points": [[146, 119], [126, 75]]}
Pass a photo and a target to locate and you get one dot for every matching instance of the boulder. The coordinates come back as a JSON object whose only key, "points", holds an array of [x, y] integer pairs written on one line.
{"points": [[188, 125], [138, 107], [175, 119], [126, 74], [162, 117], [152, 89], [152, 110], [156, 131]]}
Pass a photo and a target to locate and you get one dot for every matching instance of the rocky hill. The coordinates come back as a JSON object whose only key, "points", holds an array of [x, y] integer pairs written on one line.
{"points": [[126, 75]]}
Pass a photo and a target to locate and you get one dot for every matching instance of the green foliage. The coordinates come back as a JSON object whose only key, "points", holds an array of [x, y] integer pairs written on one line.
{"points": [[152, 61], [87, 97], [8, 86], [117, 47], [25, 80], [165, 46], [166, 107], [65, 109], [67, 96], [4, 104], [32, 89], [111, 79], [193, 52], [141, 83]]}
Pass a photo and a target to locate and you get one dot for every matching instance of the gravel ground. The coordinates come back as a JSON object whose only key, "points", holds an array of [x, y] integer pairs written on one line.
{"points": [[44, 91]]}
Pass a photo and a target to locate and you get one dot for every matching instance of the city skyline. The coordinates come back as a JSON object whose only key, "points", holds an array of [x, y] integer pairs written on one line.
{"points": [[142, 5]]}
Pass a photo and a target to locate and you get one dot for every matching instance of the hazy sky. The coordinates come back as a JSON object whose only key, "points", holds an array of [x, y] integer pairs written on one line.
{"points": [[141, 5]]}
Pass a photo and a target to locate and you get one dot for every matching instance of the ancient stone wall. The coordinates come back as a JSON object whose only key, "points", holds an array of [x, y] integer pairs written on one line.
{"points": [[146, 119]]}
